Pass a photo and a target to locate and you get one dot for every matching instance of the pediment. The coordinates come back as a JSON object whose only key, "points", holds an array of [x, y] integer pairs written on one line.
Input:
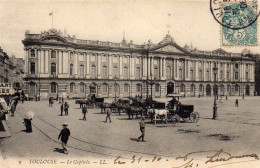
{"points": [[54, 39], [168, 48]]}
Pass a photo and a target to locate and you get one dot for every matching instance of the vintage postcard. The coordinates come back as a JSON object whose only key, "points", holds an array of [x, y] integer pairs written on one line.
{"points": [[126, 83]]}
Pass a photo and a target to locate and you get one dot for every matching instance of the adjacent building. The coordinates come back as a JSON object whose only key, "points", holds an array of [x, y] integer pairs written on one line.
{"points": [[16, 72], [4, 66], [56, 63]]}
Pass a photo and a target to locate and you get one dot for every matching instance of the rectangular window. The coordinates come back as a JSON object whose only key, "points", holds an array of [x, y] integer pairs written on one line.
{"points": [[137, 71], [104, 88], [53, 54], [81, 57], [33, 53], [104, 59], [191, 75], [115, 59], [81, 70], [138, 60], [93, 58]]}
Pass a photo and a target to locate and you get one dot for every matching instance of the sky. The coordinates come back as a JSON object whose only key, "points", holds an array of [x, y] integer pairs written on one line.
{"points": [[191, 22]]}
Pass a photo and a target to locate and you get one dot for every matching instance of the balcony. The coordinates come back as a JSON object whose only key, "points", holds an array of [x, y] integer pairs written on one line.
{"points": [[32, 76], [53, 76]]}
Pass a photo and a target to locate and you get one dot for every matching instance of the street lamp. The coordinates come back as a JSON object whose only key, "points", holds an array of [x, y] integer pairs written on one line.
{"points": [[152, 82], [215, 70], [115, 87]]}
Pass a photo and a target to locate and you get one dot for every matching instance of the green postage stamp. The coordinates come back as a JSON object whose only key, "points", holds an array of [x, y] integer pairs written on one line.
{"points": [[238, 21]]}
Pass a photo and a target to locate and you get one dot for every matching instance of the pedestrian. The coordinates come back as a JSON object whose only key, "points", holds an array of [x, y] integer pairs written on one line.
{"points": [[12, 109], [142, 129], [36, 98], [15, 104], [61, 109], [236, 103], [62, 99], [66, 108], [28, 124], [49, 101], [84, 111], [64, 135], [108, 111]]}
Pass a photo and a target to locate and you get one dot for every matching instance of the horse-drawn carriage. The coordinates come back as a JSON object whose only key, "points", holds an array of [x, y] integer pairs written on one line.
{"points": [[91, 101], [173, 113], [184, 112]]}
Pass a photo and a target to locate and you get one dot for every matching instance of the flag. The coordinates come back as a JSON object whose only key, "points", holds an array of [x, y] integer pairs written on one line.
{"points": [[51, 13]]}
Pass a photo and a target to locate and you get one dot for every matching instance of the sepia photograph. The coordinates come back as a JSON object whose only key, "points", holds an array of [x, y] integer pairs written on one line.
{"points": [[127, 83]]}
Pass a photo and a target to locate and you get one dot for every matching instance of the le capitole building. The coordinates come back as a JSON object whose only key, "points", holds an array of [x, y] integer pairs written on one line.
{"points": [[56, 63]]}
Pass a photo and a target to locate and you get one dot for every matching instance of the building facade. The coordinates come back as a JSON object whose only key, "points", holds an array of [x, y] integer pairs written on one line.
{"points": [[16, 72], [257, 75], [56, 63], [4, 66]]}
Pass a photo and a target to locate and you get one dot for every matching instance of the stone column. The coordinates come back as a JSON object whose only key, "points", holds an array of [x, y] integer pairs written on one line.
{"points": [[47, 56], [26, 61], [132, 68], [177, 69], [121, 67], [144, 66], [75, 56], [204, 71], [99, 58], [60, 61], [42, 61], [232, 72], [161, 67], [110, 66], [196, 71], [152, 67], [66, 62]]}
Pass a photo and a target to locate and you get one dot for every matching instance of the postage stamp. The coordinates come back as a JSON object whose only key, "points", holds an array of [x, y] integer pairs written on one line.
{"points": [[238, 22]]}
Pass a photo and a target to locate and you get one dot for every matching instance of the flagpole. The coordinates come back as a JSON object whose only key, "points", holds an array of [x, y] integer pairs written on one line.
{"points": [[52, 19]]}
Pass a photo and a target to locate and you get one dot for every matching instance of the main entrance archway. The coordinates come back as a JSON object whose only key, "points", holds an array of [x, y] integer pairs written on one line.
{"points": [[247, 90], [170, 88], [208, 90]]}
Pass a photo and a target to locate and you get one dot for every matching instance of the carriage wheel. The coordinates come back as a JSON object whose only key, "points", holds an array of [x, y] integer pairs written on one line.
{"points": [[194, 117], [176, 118]]}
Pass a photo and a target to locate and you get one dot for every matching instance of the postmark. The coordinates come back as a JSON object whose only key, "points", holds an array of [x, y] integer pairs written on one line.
{"points": [[238, 21]]}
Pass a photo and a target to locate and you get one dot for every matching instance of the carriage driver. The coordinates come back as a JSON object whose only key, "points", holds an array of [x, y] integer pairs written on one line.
{"points": [[142, 129]]}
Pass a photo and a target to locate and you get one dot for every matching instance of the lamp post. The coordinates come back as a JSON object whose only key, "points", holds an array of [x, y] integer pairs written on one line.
{"points": [[151, 82], [215, 70], [115, 87]]}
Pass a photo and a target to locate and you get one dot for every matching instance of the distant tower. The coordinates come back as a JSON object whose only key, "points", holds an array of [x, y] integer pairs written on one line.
{"points": [[168, 25], [124, 41]]}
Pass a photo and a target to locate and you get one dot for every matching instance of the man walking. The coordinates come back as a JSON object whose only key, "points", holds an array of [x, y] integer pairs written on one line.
{"points": [[64, 135], [66, 108], [142, 129], [236, 103], [84, 111], [61, 109], [108, 111]]}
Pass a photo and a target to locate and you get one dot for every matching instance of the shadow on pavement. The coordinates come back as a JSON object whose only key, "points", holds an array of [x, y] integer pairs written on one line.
{"points": [[134, 139], [58, 150]]}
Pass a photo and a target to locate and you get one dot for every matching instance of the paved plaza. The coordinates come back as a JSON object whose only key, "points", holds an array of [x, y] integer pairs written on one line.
{"points": [[236, 130]]}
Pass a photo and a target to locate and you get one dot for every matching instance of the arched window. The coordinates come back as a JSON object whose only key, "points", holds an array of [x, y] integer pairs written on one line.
{"points": [[156, 73], [72, 85], [116, 87], [221, 75], [236, 75], [228, 76], [180, 73], [192, 88], [104, 88], [222, 89], [182, 88], [207, 75], [115, 71], [33, 53], [246, 75], [32, 68], [138, 73], [191, 75], [53, 68], [93, 88], [236, 88], [236, 66], [104, 73], [125, 72], [201, 88], [138, 88], [168, 72], [126, 88], [82, 87], [157, 88], [81, 70], [228, 88], [93, 71], [215, 65], [54, 87], [71, 56], [71, 69], [200, 75], [227, 65]]}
